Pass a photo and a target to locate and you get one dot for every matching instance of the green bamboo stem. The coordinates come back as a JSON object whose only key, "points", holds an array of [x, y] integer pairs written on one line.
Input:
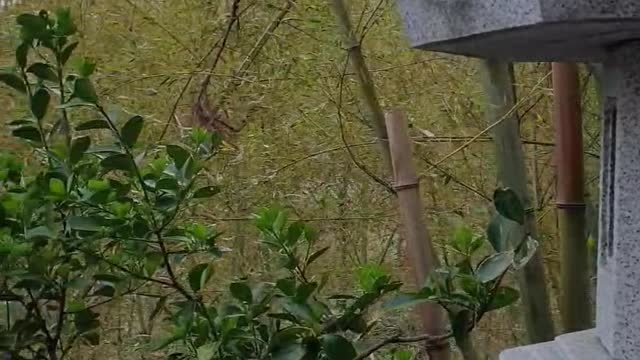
{"points": [[498, 80]]}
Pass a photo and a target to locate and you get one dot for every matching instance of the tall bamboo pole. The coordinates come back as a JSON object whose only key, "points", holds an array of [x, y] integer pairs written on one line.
{"points": [[419, 246], [367, 87], [575, 307], [498, 82]]}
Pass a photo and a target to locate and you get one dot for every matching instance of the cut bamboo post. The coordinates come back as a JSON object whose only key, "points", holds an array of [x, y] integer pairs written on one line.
{"points": [[575, 307], [419, 247]]}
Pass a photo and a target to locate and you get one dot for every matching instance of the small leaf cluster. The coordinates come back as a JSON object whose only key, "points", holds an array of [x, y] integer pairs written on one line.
{"points": [[470, 285], [288, 318]]}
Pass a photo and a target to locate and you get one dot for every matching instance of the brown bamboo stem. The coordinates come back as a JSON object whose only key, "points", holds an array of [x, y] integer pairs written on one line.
{"points": [[575, 307], [420, 249]]}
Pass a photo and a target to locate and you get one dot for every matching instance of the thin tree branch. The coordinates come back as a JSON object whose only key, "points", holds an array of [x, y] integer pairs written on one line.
{"points": [[158, 24], [373, 176], [318, 153], [367, 24], [456, 180], [490, 127]]}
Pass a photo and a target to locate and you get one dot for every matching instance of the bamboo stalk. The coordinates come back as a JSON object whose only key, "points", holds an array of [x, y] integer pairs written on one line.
{"points": [[419, 246], [498, 80], [362, 73], [575, 308]]}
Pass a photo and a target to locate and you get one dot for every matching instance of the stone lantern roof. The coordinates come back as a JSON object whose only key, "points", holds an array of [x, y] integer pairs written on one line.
{"points": [[521, 30]]}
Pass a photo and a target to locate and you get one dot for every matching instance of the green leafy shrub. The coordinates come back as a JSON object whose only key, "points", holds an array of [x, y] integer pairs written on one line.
{"points": [[469, 285], [93, 219]]}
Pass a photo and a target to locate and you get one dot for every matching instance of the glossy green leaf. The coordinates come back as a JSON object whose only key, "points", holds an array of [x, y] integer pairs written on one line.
{"points": [[462, 239], [33, 26], [287, 286], [85, 67], [509, 205], [98, 185], [207, 351], [206, 192], [105, 290], [111, 278], [304, 291], [152, 261], [13, 81], [64, 22], [167, 183], [131, 130], [291, 351], [301, 311], [294, 233], [493, 266], [241, 291], [84, 223], [28, 132], [316, 255], [368, 274], [336, 347], [43, 71], [67, 51], [178, 333], [178, 154], [78, 148], [32, 283], [57, 187], [22, 53], [402, 355], [40, 232], [460, 325], [495, 234], [525, 252], [83, 89], [117, 162], [86, 321], [406, 300], [503, 297], [476, 244], [75, 102], [40, 103], [93, 124], [199, 275], [166, 202]]}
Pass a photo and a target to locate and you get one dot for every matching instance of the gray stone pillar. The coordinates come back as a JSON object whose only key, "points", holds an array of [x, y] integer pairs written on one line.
{"points": [[617, 333], [618, 299]]}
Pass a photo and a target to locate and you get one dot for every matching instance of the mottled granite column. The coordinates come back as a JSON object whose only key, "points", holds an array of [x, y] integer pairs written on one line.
{"points": [[618, 301]]}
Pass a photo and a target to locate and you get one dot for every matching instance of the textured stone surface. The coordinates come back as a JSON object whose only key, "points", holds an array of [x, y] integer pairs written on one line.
{"points": [[617, 333], [618, 299], [521, 30], [583, 345]]}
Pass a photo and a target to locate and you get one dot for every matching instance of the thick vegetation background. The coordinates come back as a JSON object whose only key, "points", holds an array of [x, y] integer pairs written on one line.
{"points": [[290, 147]]}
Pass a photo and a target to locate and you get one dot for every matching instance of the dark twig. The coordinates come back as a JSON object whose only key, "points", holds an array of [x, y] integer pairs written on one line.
{"points": [[367, 24], [364, 169], [321, 152]]}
